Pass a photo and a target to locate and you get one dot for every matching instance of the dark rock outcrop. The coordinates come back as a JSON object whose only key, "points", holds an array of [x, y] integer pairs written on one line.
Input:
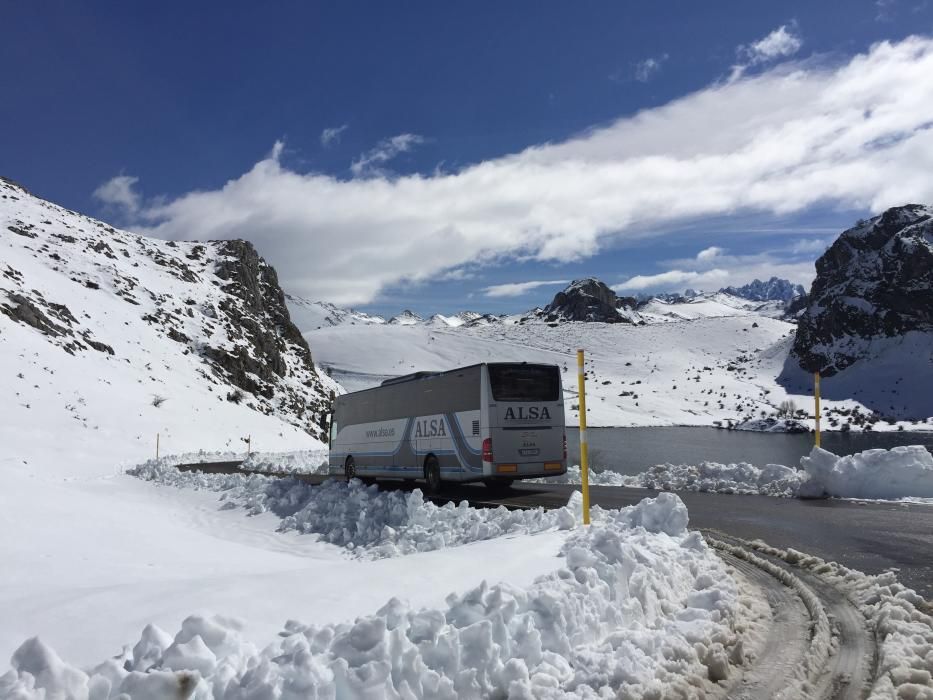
{"points": [[875, 281], [265, 346], [590, 300]]}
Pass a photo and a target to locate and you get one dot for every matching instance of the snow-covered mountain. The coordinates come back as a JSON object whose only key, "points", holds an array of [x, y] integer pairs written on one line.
{"points": [[705, 305], [308, 314], [107, 338], [775, 289], [590, 300], [874, 284]]}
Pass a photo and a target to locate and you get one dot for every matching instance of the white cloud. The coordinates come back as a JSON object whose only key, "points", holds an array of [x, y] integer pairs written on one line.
{"points": [[331, 136], [516, 289], [810, 245], [674, 279], [647, 68], [385, 150], [713, 268], [781, 43], [856, 136], [709, 253], [118, 192]]}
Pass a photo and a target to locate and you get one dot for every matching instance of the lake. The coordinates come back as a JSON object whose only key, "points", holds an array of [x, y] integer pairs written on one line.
{"points": [[633, 450]]}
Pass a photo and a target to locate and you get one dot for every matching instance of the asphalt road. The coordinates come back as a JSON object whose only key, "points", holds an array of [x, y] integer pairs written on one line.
{"points": [[870, 537]]}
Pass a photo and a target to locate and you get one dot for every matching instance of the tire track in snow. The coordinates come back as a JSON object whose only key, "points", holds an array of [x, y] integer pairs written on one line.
{"points": [[847, 666], [786, 641]]}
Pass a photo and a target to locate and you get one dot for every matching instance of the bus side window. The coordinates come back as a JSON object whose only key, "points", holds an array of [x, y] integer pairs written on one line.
{"points": [[333, 430]]}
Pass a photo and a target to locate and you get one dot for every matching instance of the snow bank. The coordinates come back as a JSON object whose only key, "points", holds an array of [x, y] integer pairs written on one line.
{"points": [[901, 472], [312, 461], [771, 424], [368, 522], [898, 473], [299, 462], [640, 608], [574, 476], [741, 478]]}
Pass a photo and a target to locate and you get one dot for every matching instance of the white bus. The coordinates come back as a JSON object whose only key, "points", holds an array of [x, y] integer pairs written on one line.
{"points": [[493, 422]]}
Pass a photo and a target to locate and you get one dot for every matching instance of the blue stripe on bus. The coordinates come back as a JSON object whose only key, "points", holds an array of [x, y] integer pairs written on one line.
{"points": [[463, 437], [460, 459]]}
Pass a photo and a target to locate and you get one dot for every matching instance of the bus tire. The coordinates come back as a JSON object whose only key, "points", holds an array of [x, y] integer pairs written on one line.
{"points": [[432, 474], [499, 485], [349, 468]]}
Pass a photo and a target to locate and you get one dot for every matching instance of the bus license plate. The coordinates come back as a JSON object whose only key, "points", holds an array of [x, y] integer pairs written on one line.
{"points": [[529, 452]]}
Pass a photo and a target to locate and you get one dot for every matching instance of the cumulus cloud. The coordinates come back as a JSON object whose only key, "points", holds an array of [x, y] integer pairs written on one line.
{"points": [[118, 192], [515, 289], [856, 135], [674, 279], [370, 162], [647, 68], [331, 135], [709, 253], [781, 43]]}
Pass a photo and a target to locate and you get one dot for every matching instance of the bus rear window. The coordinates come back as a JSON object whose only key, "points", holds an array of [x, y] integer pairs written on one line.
{"points": [[524, 382]]}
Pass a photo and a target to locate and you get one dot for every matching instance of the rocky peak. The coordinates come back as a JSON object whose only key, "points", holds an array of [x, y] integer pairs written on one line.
{"points": [[774, 289], [590, 299], [875, 281], [406, 318]]}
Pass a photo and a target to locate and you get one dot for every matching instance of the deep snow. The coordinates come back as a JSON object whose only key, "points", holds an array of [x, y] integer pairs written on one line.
{"points": [[635, 604]]}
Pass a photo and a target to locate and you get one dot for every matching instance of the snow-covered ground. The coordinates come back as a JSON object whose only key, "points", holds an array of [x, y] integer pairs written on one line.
{"points": [[565, 611], [720, 370]]}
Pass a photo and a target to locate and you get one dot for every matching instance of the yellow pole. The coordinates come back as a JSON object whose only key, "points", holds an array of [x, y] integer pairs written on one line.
{"points": [[157, 445], [816, 400], [584, 452]]}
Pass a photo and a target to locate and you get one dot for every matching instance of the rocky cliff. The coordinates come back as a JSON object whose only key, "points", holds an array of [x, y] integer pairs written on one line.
{"points": [[590, 300], [874, 282]]}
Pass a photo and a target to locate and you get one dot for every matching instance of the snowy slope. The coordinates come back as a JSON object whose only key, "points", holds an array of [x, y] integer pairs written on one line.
{"points": [[108, 338], [308, 314], [706, 371], [711, 305]]}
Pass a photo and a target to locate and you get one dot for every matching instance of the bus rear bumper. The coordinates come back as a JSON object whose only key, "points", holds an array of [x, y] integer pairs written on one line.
{"points": [[526, 470]]}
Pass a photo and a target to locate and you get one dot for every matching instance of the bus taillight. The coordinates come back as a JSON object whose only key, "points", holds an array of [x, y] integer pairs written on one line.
{"points": [[487, 450], [565, 446]]}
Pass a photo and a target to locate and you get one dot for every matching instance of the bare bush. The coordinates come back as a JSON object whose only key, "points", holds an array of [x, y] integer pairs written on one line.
{"points": [[158, 400], [787, 408]]}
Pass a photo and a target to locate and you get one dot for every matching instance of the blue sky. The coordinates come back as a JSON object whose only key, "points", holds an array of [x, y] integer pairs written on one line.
{"points": [[423, 154]]}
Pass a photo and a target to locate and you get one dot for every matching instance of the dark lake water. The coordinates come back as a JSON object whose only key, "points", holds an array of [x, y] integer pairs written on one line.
{"points": [[632, 450]]}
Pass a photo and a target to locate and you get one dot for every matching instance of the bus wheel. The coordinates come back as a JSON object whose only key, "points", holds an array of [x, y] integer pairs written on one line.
{"points": [[432, 474], [499, 485], [349, 468]]}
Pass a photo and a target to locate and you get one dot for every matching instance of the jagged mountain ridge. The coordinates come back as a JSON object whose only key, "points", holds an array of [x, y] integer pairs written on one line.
{"points": [[214, 309], [774, 289], [874, 282]]}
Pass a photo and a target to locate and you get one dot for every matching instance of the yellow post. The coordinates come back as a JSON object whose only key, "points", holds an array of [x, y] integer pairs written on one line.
{"points": [[816, 400], [157, 445], [584, 452]]}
